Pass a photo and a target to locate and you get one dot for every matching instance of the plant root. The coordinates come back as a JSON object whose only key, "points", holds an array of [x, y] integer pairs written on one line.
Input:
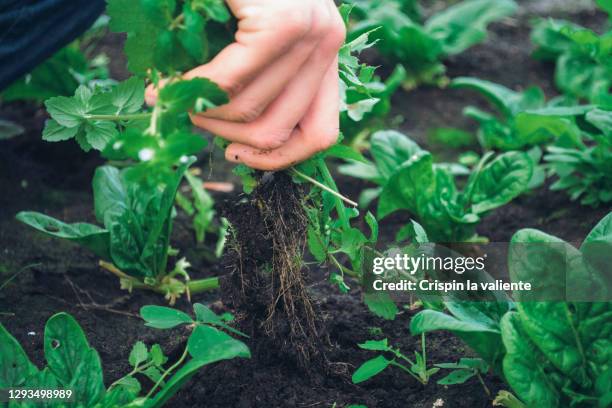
{"points": [[267, 286]]}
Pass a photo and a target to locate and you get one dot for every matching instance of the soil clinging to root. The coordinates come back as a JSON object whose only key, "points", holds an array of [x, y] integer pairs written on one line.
{"points": [[266, 286]]}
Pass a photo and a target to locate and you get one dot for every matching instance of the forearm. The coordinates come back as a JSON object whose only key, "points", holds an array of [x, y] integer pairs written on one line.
{"points": [[33, 30]]}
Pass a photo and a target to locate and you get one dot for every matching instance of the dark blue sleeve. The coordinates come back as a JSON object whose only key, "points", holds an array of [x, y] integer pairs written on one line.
{"points": [[33, 30]]}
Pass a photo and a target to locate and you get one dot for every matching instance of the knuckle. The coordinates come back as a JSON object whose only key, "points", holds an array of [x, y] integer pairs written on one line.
{"points": [[271, 140], [246, 113], [294, 25], [327, 140]]}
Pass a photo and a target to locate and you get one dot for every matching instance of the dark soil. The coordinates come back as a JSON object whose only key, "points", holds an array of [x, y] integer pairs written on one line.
{"points": [[45, 276]]}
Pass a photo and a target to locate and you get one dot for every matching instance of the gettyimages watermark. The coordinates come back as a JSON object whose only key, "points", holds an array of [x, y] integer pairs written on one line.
{"points": [[524, 272]]}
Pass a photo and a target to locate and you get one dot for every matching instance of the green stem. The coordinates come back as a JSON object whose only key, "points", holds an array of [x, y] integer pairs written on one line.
{"points": [[165, 374], [323, 187], [406, 369], [117, 118], [339, 206], [343, 269], [203, 285]]}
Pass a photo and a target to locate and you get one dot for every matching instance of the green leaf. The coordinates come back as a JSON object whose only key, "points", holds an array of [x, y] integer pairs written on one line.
{"points": [[174, 384], [464, 24], [198, 94], [411, 182], [139, 354], [75, 364], [211, 345], [525, 368], [157, 355], [506, 100], [375, 345], [500, 181], [457, 377], [315, 244], [17, 368], [346, 153], [161, 317], [128, 96], [54, 132], [381, 304], [130, 385], [90, 236], [390, 150], [191, 35], [369, 369], [431, 320], [215, 9]]}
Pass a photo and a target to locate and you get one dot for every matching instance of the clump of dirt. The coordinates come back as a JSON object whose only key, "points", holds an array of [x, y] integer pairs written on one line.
{"points": [[266, 285]]}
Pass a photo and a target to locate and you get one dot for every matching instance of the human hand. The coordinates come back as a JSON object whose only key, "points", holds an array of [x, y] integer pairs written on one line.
{"points": [[281, 74]]}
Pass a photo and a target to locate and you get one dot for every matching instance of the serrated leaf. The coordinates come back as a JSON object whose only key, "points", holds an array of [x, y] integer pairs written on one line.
{"points": [[128, 96], [139, 354], [157, 355], [99, 133], [54, 132]]}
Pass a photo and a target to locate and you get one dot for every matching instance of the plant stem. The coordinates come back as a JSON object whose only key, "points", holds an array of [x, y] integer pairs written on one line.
{"points": [[203, 285], [165, 374], [416, 377], [323, 187], [339, 206], [195, 286], [117, 118], [487, 391], [342, 268]]}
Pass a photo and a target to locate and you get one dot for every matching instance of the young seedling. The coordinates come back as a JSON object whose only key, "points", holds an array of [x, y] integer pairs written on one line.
{"points": [[421, 45], [463, 370], [417, 368], [74, 370], [408, 179]]}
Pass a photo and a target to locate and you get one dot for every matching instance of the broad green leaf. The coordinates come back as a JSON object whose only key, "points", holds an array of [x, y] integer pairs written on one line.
{"points": [[375, 345], [191, 35], [506, 100], [500, 181], [110, 193], [161, 317], [603, 120], [369, 369], [15, 365], [431, 320], [525, 368], [69, 356], [211, 345], [42, 380], [54, 132], [464, 24], [390, 150], [90, 236], [174, 384], [411, 182]]}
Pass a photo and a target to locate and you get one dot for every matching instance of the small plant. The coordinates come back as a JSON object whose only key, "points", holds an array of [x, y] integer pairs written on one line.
{"points": [[524, 118], [417, 368], [463, 370], [409, 180], [585, 171], [582, 57], [135, 241], [74, 370], [420, 45], [555, 344]]}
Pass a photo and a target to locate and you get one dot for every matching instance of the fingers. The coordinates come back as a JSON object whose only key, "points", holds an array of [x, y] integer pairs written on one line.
{"points": [[251, 102], [266, 31], [317, 131], [275, 126]]}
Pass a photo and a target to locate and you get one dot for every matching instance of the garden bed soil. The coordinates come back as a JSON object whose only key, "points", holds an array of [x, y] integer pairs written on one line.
{"points": [[44, 276]]}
